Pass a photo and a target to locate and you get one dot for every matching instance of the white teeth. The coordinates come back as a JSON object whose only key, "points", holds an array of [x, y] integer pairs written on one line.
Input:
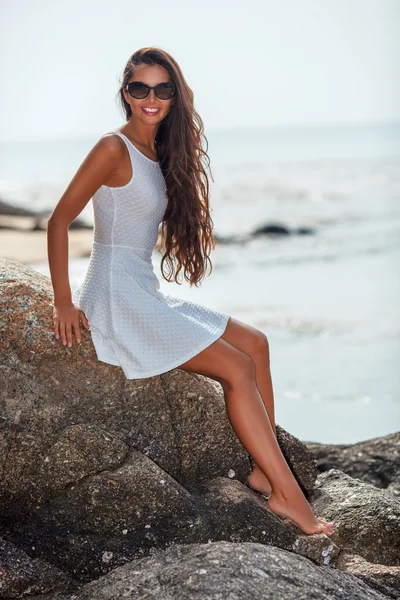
{"points": [[151, 109]]}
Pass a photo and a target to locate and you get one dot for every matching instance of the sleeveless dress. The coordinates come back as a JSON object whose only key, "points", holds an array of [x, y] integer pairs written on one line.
{"points": [[132, 323]]}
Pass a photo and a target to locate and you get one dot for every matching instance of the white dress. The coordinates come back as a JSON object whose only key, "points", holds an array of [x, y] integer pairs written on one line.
{"points": [[134, 325]]}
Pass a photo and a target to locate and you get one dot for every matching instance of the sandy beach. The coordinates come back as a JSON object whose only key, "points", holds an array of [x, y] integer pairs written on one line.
{"points": [[27, 246]]}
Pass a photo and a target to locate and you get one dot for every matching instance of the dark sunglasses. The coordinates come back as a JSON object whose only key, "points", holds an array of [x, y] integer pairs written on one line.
{"points": [[140, 90]]}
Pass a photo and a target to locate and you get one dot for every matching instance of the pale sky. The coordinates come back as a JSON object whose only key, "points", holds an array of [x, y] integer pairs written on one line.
{"points": [[252, 63]]}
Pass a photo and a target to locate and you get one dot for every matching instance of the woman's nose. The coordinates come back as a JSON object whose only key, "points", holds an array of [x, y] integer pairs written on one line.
{"points": [[152, 96]]}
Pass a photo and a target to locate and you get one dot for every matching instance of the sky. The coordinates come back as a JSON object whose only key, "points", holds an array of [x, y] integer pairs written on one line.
{"points": [[254, 63]]}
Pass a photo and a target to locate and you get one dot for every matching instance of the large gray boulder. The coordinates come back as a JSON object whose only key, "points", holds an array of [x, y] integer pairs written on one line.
{"points": [[238, 571], [367, 518]]}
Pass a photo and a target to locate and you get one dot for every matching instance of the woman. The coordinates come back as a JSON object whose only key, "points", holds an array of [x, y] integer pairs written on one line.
{"points": [[150, 173]]}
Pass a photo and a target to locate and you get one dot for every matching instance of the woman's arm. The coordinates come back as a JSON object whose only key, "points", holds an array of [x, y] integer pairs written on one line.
{"points": [[99, 165]]}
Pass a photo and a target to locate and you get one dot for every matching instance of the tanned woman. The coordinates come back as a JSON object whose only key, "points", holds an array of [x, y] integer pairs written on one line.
{"points": [[149, 177]]}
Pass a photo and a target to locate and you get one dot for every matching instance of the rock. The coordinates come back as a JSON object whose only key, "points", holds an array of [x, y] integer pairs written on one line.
{"points": [[237, 514], [275, 229], [305, 230], [6, 208], [380, 577], [270, 229], [20, 575], [97, 470], [109, 517], [367, 518], [300, 459], [104, 520], [49, 387], [375, 461], [226, 570]]}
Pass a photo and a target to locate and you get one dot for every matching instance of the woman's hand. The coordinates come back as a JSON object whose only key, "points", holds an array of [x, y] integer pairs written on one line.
{"points": [[65, 316]]}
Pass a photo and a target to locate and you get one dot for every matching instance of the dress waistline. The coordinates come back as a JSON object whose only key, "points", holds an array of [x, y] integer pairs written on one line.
{"points": [[123, 246]]}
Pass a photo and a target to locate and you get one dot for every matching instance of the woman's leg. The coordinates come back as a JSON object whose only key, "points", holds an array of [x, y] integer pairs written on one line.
{"points": [[236, 372], [254, 343]]}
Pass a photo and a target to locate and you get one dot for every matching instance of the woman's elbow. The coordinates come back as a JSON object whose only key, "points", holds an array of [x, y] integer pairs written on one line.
{"points": [[58, 221]]}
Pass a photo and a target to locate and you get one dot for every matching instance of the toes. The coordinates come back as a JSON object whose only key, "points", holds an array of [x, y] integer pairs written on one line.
{"points": [[329, 530], [326, 527]]}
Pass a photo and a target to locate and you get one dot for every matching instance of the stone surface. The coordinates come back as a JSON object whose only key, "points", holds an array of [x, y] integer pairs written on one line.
{"points": [[97, 470], [367, 518], [375, 461], [218, 570], [22, 576], [109, 517], [381, 577], [239, 514], [113, 516], [142, 483], [300, 459]]}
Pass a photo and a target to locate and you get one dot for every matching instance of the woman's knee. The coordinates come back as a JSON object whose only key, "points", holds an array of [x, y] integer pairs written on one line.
{"points": [[223, 362], [260, 346], [243, 370]]}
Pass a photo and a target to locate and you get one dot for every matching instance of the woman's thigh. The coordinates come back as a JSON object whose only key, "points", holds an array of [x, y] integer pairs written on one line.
{"points": [[230, 357], [246, 338]]}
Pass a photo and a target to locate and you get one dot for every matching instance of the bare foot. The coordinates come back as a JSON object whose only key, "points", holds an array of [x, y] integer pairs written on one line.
{"points": [[259, 481], [300, 512]]}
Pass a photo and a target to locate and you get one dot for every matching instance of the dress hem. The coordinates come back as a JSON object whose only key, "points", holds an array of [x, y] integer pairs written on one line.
{"points": [[175, 364]]}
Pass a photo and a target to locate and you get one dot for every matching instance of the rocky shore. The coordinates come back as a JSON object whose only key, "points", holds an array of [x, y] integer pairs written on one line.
{"points": [[113, 488]]}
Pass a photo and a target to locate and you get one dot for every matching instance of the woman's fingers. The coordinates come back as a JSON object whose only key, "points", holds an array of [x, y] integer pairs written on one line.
{"points": [[56, 329], [69, 334], [65, 326], [63, 335], [77, 331], [84, 319]]}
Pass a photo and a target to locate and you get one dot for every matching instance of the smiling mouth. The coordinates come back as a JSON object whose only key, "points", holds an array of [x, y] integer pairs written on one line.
{"points": [[150, 111]]}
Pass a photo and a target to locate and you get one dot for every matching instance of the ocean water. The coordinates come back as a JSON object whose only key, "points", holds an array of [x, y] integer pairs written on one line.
{"points": [[328, 301]]}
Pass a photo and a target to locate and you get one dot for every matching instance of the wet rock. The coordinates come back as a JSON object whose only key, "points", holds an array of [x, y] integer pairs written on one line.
{"points": [[375, 461], [271, 229], [367, 518], [226, 570], [276, 229]]}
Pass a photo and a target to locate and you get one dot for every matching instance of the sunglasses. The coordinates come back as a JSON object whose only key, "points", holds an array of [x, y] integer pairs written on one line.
{"points": [[140, 90]]}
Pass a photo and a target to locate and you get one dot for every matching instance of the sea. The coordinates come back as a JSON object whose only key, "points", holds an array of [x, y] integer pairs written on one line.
{"points": [[323, 284]]}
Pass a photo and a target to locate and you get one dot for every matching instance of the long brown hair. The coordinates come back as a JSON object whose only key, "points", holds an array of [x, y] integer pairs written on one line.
{"points": [[187, 225]]}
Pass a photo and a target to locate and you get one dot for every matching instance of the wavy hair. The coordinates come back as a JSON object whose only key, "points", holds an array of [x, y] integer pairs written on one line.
{"points": [[186, 229]]}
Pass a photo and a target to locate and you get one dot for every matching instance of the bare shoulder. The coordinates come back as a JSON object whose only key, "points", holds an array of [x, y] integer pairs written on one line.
{"points": [[111, 144], [97, 169]]}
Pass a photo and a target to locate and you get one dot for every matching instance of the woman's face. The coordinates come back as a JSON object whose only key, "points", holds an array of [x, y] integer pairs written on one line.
{"points": [[152, 75]]}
